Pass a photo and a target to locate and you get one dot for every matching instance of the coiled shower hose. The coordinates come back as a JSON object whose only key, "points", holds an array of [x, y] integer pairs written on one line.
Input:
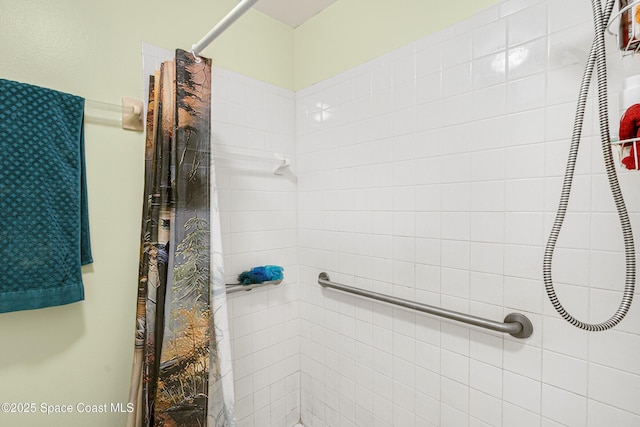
{"points": [[597, 57]]}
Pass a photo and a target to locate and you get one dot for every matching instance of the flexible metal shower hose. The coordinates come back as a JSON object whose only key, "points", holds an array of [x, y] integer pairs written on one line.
{"points": [[597, 56]]}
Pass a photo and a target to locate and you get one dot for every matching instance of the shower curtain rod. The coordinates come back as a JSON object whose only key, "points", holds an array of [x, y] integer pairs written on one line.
{"points": [[515, 324], [225, 23]]}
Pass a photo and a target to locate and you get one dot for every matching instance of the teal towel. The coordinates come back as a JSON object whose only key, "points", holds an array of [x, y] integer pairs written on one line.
{"points": [[44, 227]]}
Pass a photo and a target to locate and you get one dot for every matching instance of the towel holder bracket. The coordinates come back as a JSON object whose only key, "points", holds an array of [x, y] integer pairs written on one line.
{"points": [[132, 112]]}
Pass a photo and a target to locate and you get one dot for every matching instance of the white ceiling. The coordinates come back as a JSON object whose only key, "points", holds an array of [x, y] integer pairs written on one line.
{"points": [[292, 12]]}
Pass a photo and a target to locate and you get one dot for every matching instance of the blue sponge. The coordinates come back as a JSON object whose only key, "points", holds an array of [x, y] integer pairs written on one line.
{"points": [[261, 274]]}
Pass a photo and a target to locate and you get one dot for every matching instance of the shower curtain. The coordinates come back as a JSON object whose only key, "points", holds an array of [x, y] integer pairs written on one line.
{"points": [[182, 370]]}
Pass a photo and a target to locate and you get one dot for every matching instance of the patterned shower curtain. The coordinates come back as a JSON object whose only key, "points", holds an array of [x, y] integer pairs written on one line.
{"points": [[182, 369]]}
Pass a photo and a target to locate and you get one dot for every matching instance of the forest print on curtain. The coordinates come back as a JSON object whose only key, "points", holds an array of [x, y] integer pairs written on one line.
{"points": [[181, 373]]}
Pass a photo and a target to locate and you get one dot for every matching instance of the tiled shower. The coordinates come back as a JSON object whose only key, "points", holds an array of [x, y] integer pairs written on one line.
{"points": [[431, 173]]}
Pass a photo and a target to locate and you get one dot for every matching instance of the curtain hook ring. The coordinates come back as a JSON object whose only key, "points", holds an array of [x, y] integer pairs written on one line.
{"points": [[193, 52]]}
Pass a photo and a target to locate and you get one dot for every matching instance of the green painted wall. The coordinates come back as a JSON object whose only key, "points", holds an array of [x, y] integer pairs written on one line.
{"points": [[351, 32], [81, 353]]}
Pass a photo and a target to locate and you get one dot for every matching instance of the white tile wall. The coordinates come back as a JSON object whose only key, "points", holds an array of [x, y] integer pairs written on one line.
{"points": [[259, 223], [433, 173]]}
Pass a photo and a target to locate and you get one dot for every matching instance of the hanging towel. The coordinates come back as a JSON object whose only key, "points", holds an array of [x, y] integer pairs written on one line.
{"points": [[44, 227], [629, 129]]}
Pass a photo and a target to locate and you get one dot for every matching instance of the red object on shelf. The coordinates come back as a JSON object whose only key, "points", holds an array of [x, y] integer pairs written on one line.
{"points": [[629, 129]]}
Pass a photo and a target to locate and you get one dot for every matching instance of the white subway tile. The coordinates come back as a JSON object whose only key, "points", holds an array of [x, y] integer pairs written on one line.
{"points": [[526, 94], [486, 227], [456, 197], [428, 88], [522, 294], [487, 196], [565, 372], [601, 201], [455, 110], [455, 225], [382, 408], [487, 288], [427, 410], [524, 228], [524, 195], [456, 80], [491, 132], [600, 414], [454, 254], [454, 395], [608, 302], [523, 359], [627, 181], [456, 168], [569, 266], [580, 193], [564, 407], [523, 261], [454, 337], [455, 367], [559, 126], [402, 416], [489, 102], [487, 165], [428, 60], [428, 224], [525, 161], [513, 415], [486, 15], [563, 85], [486, 258], [521, 391], [459, 137], [486, 348], [527, 59], [607, 269], [428, 382], [456, 49], [567, 14], [559, 336], [403, 273], [488, 70], [486, 378], [427, 279], [527, 24], [486, 408], [404, 224], [404, 95], [574, 232], [454, 282], [605, 232], [525, 127], [615, 349], [451, 416], [575, 298], [489, 38]]}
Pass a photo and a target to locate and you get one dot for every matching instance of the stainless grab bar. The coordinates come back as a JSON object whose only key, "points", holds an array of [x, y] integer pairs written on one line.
{"points": [[515, 324]]}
